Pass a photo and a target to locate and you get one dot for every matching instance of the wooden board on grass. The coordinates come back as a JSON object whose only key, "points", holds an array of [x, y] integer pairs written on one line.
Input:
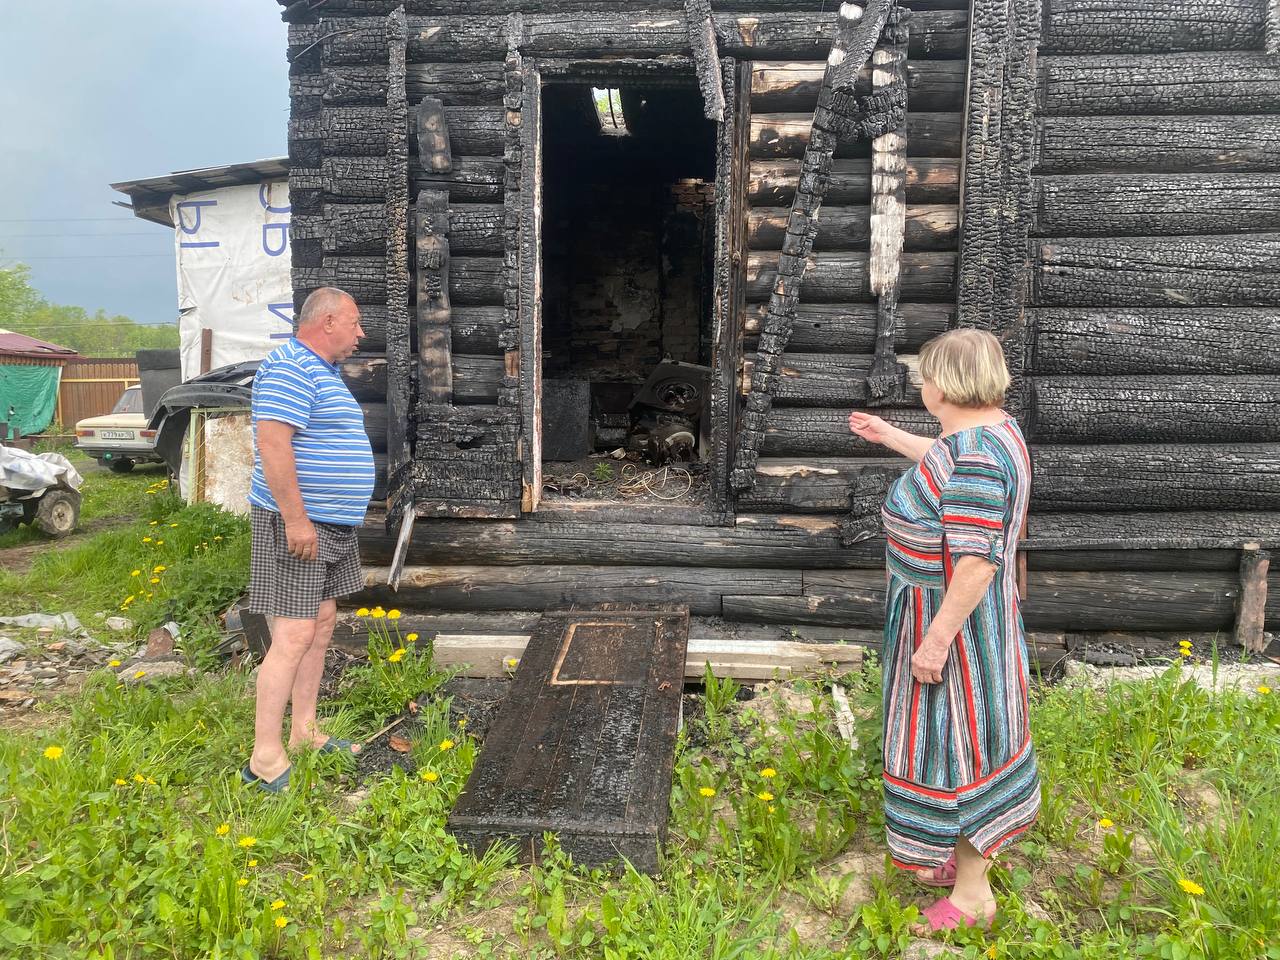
{"points": [[585, 744]]}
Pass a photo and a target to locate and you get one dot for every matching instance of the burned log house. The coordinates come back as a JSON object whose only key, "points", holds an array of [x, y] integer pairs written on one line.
{"points": [[538, 203]]}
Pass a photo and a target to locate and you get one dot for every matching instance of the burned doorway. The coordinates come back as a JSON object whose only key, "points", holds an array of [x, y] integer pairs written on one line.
{"points": [[628, 292]]}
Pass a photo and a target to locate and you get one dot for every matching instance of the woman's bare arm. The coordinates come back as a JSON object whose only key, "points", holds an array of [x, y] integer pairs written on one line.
{"points": [[969, 583], [874, 430]]}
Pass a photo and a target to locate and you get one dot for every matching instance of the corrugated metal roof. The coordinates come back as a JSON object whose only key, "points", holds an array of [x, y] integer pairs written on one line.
{"points": [[20, 345], [149, 197]]}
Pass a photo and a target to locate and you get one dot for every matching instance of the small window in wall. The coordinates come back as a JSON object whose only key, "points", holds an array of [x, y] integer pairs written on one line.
{"points": [[609, 111]]}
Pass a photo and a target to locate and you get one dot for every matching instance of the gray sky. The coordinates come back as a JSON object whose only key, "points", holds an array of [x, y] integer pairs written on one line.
{"points": [[93, 92]]}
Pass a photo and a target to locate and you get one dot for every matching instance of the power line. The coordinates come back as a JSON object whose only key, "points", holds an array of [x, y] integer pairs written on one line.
{"points": [[139, 233], [40, 327], [67, 220], [92, 256]]}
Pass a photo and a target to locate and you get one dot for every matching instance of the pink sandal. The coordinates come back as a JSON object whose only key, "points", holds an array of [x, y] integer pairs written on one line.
{"points": [[944, 915], [940, 876]]}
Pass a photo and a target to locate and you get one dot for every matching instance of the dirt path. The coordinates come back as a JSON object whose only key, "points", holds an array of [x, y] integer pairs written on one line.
{"points": [[20, 558]]}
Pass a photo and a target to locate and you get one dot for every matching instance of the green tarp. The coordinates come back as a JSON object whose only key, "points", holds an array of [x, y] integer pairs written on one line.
{"points": [[33, 393]]}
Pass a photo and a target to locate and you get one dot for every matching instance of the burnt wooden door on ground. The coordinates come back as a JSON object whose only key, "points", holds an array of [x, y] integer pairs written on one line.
{"points": [[585, 744]]}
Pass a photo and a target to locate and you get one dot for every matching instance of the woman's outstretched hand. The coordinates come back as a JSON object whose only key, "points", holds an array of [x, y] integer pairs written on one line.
{"points": [[869, 427]]}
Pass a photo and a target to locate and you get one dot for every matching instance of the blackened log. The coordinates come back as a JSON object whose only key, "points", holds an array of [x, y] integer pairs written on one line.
{"points": [[473, 281], [362, 132], [477, 379], [851, 327], [931, 227], [1154, 409], [1088, 478], [432, 304], [771, 541], [535, 586], [396, 274], [649, 33], [1251, 608], [1156, 477], [829, 380], [1152, 26], [380, 8], [431, 134], [475, 228], [1190, 601], [375, 424], [350, 85], [456, 84], [1156, 204], [1119, 558], [933, 86], [817, 432], [476, 329], [1170, 340], [366, 377], [844, 277], [702, 40], [473, 179], [930, 180], [1190, 530], [1177, 83], [780, 135], [1208, 271], [1153, 143]]}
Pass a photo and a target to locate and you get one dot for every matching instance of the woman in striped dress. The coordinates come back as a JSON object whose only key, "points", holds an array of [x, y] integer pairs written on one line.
{"points": [[960, 779]]}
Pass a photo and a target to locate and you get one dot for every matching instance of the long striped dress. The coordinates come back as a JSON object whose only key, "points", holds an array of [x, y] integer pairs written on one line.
{"points": [[958, 758]]}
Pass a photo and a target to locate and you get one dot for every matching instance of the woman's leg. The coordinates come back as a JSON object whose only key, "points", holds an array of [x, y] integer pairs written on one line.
{"points": [[972, 893]]}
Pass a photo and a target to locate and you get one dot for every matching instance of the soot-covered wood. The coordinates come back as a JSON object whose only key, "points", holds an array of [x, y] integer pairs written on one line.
{"points": [[584, 746], [396, 276], [1152, 26], [930, 180]]}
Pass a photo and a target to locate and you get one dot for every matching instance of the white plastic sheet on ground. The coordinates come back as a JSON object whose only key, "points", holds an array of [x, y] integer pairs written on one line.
{"points": [[233, 272], [30, 473]]}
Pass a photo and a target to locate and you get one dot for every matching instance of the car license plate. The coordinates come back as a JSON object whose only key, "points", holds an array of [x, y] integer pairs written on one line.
{"points": [[117, 434]]}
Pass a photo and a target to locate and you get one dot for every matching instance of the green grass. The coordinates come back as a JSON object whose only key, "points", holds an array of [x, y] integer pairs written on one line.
{"points": [[132, 837]]}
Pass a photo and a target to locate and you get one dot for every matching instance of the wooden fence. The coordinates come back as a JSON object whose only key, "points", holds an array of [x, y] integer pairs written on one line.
{"points": [[91, 386]]}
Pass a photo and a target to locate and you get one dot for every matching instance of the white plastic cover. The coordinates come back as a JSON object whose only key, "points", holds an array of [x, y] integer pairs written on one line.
{"points": [[31, 473], [233, 272]]}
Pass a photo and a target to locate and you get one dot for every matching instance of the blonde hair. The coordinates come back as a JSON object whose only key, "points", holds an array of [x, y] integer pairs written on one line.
{"points": [[967, 366]]}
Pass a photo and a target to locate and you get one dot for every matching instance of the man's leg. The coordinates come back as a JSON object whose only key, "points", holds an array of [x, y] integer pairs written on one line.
{"points": [[290, 641], [304, 728]]}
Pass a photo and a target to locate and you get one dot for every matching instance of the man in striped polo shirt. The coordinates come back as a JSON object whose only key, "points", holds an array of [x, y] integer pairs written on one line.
{"points": [[312, 479]]}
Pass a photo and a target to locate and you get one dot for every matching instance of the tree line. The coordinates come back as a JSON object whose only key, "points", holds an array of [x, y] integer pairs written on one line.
{"points": [[24, 310]]}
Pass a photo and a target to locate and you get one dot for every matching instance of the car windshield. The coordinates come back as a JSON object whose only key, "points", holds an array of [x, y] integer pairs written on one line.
{"points": [[130, 401]]}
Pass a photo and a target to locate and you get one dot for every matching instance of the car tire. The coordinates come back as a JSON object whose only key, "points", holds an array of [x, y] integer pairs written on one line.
{"points": [[120, 466], [58, 513]]}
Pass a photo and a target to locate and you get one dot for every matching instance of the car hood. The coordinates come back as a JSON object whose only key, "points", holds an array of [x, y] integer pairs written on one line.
{"points": [[229, 386]]}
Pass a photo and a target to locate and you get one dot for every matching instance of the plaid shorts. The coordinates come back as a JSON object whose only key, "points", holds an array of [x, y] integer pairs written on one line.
{"points": [[281, 585]]}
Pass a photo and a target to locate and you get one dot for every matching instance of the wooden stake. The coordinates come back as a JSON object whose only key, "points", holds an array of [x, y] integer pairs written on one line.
{"points": [[1251, 606]]}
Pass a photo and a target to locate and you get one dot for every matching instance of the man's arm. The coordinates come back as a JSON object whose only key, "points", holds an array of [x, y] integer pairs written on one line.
{"points": [[275, 447]]}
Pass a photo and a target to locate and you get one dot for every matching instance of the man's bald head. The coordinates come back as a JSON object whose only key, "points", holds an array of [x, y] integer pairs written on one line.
{"points": [[329, 323], [324, 302]]}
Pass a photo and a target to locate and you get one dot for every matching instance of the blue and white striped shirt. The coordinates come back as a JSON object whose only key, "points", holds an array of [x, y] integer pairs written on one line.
{"points": [[331, 449]]}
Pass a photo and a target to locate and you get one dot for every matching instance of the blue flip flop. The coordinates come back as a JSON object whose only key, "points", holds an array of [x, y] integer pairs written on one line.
{"points": [[278, 785], [337, 745]]}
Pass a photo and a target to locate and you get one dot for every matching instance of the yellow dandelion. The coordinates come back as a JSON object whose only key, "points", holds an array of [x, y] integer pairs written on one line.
{"points": [[173, 524], [765, 795], [277, 905], [138, 675], [512, 663], [114, 663], [362, 612], [223, 829], [218, 538], [768, 773], [396, 655], [136, 573], [1184, 643], [1263, 689], [121, 783], [151, 492], [1191, 887], [242, 882], [1106, 823], [153, 523], [308, 876], [446, 744], [377, 613], [772, 808], [282, 922], [411, 638], [430, 776], [393, 614], [159, 568], [1185, 651], [52, 753], [139, 778], [707, 792], [159, 543], [991, 952], [247, 842], [155, 580], [253, 863], [146, 539], [462, 724], [151, 782]]}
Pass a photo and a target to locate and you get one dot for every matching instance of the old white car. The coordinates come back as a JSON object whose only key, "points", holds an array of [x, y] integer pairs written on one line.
{"points": [[121, 438]]}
